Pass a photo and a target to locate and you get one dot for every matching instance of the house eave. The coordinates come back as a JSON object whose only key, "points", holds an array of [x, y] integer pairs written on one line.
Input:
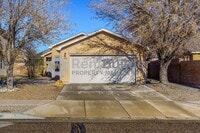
{"points": [[45, 54], [66, 40]]}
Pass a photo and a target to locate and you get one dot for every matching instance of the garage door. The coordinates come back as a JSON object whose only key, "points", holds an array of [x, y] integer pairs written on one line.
{"points": [[102, 69]]}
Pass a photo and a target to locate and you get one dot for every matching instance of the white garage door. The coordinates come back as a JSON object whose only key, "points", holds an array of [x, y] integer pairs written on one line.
{"points": [[102, 69]]}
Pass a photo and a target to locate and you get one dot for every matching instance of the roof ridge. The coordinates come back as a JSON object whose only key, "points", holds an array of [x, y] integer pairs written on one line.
{"points": [[88, 35], [72, 37]]}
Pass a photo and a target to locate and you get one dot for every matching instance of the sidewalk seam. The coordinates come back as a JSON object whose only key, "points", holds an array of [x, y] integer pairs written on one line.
{"points": [[168, 99], [124, 108], [85, 108]]}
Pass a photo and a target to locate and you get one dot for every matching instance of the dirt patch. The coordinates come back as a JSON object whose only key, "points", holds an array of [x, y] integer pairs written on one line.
{"points": [[37, 89], [30, 92], [177, 92]]}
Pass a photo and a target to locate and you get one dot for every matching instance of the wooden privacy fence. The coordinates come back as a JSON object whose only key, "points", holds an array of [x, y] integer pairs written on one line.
{"points": [[184, 72]]}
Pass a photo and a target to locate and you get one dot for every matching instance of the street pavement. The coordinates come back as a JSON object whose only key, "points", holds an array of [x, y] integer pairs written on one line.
{"points": [[114, 102], [102, 109]]}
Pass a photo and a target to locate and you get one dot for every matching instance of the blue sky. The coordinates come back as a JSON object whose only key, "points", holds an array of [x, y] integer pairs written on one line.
{"points": [[82, 19]]}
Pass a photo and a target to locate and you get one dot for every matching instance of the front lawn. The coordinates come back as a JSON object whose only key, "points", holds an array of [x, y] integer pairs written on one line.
{"points": [[33, 89]]}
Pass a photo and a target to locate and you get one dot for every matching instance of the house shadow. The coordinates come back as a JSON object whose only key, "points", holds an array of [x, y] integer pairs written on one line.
{"points": [[133, 53]]}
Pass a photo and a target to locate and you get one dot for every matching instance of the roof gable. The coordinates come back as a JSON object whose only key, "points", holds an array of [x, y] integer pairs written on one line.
{"points": [[86, 37], [67, 40], [48, 51], [80, 37]]}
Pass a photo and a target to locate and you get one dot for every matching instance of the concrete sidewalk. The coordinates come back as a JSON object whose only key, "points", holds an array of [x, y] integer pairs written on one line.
{"points": [[114, 102]]}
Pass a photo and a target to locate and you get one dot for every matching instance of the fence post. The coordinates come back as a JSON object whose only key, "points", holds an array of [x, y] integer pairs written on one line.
{"points": [[179, 75]]}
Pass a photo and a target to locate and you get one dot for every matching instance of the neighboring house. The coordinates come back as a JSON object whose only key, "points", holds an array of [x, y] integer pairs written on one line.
{"points": [[189, 56], [99, 57], [19, 67], [192, 52], [194, 56], [2, 67]]}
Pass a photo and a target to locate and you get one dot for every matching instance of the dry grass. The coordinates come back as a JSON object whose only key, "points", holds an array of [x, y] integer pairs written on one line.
{"points": [[33, 92], [177, 92]]}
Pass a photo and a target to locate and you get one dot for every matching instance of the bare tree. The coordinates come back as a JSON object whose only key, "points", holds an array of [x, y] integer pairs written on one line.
{"points": [[162, 27], [193, 44], [30, 60], [28, 21]]}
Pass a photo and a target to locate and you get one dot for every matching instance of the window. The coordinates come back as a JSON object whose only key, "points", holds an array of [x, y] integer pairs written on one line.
{"points": [[48, 58], [57, 66]]}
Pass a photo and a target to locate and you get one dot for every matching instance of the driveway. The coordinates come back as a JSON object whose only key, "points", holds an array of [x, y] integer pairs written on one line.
{"points": [[115, 102], [108, 92]]}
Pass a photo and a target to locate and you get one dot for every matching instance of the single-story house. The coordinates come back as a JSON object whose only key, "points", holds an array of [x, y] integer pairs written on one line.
{"points": [[192, 50], [195, 56], [189, 56], [19, 65], [99, 57]]}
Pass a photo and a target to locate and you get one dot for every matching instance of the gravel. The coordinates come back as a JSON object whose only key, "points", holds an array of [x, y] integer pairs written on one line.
{"points": [[30, 92], [177, 92], [32, 89]]}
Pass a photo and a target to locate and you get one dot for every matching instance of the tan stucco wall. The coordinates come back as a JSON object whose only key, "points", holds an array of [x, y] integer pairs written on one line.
{"points": [[2, 73], [195, 56], [100, 44], [55, 52], [20, 69]]}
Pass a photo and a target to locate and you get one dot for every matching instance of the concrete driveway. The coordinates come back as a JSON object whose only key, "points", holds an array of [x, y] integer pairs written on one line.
{"points": [[113, 102], [108, 92]]}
